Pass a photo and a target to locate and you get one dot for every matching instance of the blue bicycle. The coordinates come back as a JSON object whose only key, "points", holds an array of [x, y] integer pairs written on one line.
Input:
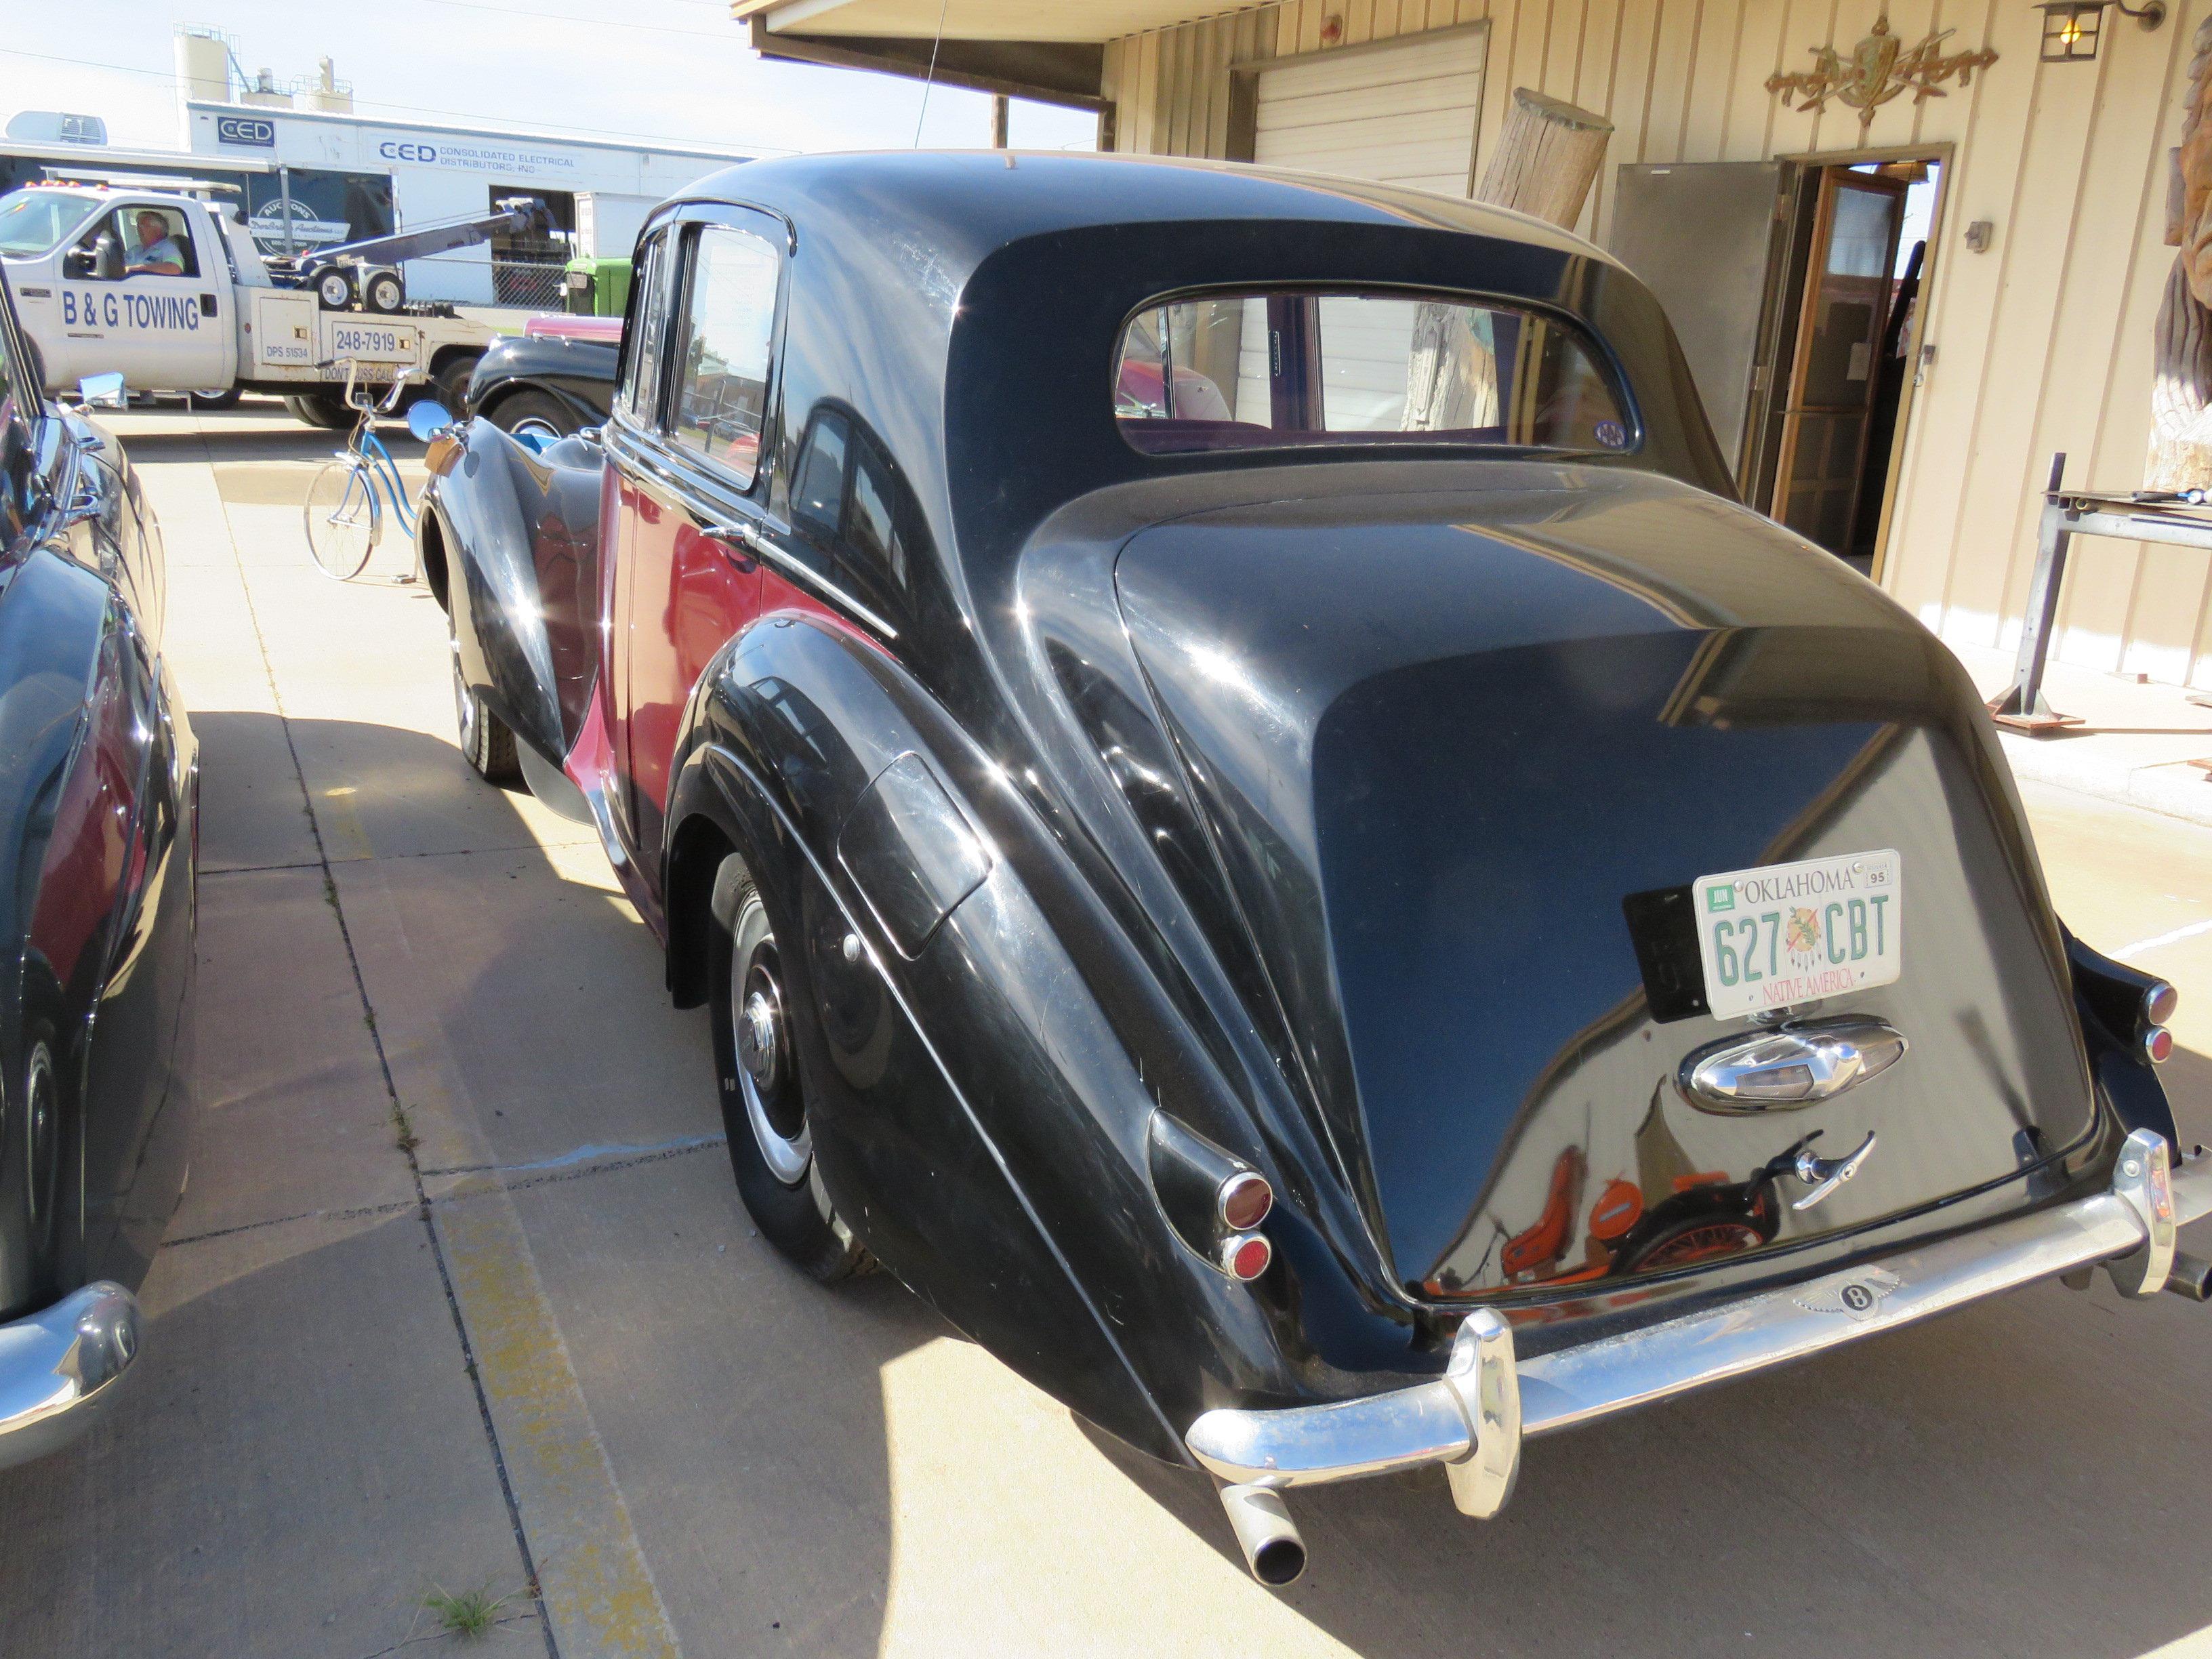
{"points": [[345, 498]]}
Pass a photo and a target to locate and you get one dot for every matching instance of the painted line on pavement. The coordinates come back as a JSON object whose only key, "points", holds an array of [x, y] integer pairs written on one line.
{"points": [[584, 1569], [2158, 940]]}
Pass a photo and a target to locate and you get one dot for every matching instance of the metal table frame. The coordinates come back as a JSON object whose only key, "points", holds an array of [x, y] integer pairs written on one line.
{"points": [[2068, 514]]}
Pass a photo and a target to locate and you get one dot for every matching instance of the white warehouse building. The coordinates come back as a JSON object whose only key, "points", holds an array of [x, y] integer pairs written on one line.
{"points": [[333, 176]]}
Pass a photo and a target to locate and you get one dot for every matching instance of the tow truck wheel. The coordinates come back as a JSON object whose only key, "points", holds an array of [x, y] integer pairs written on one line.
{"points": [[334, 290], [385, 292], [319, 408], [212, 399]]}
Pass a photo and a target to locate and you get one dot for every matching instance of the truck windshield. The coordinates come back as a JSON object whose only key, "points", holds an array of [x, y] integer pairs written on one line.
{"points": [[33, 220]]}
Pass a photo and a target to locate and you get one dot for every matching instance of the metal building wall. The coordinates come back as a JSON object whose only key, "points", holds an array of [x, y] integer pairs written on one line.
{"points": [[2042, 343]]}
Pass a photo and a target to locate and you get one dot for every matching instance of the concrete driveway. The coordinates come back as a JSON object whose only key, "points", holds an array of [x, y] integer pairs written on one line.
{"points": [[460, 1298]]}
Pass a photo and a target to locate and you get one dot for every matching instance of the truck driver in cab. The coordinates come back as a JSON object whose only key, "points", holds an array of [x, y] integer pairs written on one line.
{"points": [[158, 254]]}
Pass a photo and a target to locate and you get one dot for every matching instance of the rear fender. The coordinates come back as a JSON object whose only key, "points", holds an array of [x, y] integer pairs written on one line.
{"points": [[519, 538], [2107, 999], [992, 1051]]}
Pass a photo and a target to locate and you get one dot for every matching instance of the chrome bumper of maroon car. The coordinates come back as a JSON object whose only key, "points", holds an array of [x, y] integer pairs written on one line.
{"points": [[1472, 1419], [61, 1369]]}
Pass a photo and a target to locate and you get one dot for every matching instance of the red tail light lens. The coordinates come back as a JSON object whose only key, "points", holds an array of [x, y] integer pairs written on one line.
{"points": [[1245, 1200], [1246, 1255], [2158, 1002], [2158, 1043]]}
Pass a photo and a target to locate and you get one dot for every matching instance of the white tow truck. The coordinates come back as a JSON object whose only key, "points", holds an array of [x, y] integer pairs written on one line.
{"points": [[167, 289]]}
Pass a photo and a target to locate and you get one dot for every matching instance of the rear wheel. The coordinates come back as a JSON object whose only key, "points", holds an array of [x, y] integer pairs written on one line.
{"points": [[532, 410], [214, 399], [334, 290], [31, 1137], [343, 518], [765, 1099], [450, 384], [487, 743], [319, 408]]}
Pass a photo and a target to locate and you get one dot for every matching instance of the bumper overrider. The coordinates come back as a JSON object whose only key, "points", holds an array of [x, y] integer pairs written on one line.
{"points": [[61, 1369], [1472, 1419]]}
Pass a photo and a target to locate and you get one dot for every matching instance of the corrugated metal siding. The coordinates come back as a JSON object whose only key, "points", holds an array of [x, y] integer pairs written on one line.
{"points": [[2043, 343]]}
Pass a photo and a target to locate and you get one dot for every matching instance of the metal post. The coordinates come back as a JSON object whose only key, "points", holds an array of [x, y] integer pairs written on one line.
{"points": [[999, 114], [284, 196], [2023, 709]]}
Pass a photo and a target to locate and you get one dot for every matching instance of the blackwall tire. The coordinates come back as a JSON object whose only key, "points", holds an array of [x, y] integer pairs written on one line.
{"points": [[214, 399], [450, 384], [486, 742], [535, 409], [760, 1078], [319, 409]]}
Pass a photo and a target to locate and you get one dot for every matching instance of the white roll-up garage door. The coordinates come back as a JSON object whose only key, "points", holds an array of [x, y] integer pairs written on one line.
{"points": [[1404, 113]]}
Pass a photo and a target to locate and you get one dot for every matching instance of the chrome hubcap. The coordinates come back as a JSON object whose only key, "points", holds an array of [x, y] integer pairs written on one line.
{"points": [[773, 1108], [464, 706], [38, 1115]]}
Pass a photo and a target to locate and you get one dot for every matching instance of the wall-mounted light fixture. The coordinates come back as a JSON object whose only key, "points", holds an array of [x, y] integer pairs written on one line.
{"points": [[2072, 28]]}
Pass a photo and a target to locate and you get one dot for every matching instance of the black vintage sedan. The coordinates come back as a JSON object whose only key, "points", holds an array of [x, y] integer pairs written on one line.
{"points": [[99, 814], [1257, 823]]}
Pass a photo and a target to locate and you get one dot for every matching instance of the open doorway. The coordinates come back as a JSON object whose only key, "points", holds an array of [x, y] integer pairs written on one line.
{"points": [[1842, 356], [1795, 287]]}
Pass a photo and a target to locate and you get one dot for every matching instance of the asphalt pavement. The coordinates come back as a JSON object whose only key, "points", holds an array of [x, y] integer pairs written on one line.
{"points": [[460, 1302]]}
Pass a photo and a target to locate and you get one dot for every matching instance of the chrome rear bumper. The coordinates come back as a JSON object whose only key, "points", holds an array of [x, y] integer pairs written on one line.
{"points": [[61, 1369], [1473, 1418]]}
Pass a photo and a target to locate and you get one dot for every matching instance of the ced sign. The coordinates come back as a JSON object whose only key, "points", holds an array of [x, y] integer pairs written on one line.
{"points": [[392, 150], [246, 130]]}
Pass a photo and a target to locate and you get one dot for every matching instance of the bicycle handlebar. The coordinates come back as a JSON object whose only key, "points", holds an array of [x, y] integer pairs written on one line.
{"points": [[370, 406]]}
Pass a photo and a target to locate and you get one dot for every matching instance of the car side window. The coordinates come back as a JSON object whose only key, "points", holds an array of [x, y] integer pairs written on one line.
{"points": [[138, 240], [729, 322], [642, 373]]}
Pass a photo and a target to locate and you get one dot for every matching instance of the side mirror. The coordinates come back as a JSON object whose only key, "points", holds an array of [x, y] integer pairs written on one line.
{"points": [[426, 418], [102, 392], [108, 254], [80, 262]]}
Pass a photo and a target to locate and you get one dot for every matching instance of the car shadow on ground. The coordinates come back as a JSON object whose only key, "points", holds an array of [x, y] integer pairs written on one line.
{"points": [[2025, 1476], [304, 1450]]}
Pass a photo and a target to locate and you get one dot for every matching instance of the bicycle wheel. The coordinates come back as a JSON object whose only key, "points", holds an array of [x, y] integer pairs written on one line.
{"points": [[343, 518]]}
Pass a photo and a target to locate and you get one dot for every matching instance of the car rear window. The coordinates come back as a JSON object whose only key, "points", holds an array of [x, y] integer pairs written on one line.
{"points": [[1269, 370]]}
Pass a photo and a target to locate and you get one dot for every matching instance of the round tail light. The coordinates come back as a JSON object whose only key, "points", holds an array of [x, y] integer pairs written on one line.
{"points": [[2158, 1002], [1245, 1200], [2158, 1043], [1245, 1256]]}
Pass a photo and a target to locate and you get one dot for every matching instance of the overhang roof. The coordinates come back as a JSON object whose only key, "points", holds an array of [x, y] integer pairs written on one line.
{"points": [[1090, 21], [1053, 50]]}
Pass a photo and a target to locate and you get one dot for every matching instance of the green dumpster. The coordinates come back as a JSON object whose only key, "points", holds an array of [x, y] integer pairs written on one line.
{"points": [[598, 288]]}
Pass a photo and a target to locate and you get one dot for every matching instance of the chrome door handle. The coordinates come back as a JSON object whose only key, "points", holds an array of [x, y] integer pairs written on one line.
{"points": [[741, 541], [1824, 1174]]}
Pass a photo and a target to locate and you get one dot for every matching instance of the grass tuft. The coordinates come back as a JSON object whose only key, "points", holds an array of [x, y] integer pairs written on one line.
{"points": [[469, 1615]]}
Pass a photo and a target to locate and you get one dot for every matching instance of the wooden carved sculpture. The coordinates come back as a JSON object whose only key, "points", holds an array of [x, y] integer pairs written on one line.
{"points": [[2181, 348]]}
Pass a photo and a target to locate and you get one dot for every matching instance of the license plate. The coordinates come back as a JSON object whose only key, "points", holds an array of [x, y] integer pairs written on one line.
{"points": [[1787, 933], [372, 342]]}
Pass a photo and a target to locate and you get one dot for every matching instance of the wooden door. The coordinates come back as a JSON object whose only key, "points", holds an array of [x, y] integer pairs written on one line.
{"points": [[1832, 375]]}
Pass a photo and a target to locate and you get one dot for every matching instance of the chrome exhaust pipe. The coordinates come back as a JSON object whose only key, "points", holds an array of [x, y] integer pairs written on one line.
{"points": [[1266, 1532], [2192, 1277]]}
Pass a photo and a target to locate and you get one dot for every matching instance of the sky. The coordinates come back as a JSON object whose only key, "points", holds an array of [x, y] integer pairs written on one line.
{"points": [[670, 69]]}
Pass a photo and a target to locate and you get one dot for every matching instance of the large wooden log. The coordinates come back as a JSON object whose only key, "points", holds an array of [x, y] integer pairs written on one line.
{"points": [[1547, 158]]}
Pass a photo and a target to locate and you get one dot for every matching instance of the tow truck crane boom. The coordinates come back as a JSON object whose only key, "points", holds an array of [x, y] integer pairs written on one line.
{"points": [[515, 216]]}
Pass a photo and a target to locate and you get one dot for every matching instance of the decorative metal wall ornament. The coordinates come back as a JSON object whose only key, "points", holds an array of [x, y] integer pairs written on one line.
{"points": [[1880, 68]]}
